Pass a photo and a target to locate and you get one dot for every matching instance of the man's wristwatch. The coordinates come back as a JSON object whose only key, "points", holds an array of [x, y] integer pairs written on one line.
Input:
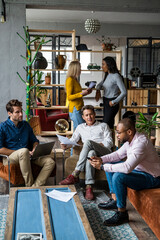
{"points": [[101, 167]]}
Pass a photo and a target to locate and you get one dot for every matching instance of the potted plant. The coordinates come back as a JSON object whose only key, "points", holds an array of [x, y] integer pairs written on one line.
{"points": [[147, 125], [37, 43], [106, 44]]}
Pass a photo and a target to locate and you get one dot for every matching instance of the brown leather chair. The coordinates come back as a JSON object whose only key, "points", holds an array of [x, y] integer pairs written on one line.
{"points": [[13, 175]]}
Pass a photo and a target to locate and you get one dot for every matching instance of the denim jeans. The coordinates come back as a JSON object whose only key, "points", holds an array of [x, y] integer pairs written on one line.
{"points": [[118, 183], [76, 117]]}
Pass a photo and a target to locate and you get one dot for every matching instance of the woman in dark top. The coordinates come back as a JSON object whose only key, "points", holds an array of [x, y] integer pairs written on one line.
{"points": [[114, 90]]}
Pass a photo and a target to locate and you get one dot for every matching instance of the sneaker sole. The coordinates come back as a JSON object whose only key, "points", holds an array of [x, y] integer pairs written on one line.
{"points": [[116, 224], [108, 208]]}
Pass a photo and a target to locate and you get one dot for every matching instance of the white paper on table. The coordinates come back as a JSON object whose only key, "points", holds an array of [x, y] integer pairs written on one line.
{"points": [[92, 84], [61, 196], [66, 141]]}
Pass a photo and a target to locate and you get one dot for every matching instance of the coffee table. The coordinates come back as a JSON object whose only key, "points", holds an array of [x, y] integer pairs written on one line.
{"points": [[31, 211]]}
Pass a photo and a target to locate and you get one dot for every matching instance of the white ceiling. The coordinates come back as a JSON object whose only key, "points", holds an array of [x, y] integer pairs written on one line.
{"points": [[73, 16]]}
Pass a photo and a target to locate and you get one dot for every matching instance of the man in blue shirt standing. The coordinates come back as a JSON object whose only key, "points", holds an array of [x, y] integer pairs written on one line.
{"points": [[18, 141]]}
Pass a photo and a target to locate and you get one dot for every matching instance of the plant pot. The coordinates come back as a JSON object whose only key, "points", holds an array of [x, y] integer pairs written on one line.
{"points": [[153, 140], [107, 47], [47, 80], [36, 44]]}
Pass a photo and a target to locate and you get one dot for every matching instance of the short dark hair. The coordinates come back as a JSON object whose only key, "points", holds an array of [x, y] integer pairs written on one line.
{"points": [[128, 123], [88, 107], [129, 114], [13, 103]]}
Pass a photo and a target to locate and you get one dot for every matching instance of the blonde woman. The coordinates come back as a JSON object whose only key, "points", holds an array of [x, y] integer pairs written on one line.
{"points": [[75, 93]]}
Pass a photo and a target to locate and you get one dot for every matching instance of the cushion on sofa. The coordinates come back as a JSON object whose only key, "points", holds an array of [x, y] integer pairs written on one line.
{"points": [[70, 164]]}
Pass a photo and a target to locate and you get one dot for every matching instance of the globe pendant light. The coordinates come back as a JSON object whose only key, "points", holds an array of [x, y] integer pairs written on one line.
{"points": [[92, 25]]}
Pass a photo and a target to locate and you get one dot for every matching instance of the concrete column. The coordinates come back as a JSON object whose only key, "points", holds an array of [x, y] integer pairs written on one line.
{"points": [[11, 47]]}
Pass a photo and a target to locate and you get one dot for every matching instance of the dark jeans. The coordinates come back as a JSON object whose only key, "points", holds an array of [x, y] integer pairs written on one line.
{"points": [[109, 112], [118, 183]]}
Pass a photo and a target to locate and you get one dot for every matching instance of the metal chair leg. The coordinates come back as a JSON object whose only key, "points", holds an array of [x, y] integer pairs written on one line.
{"points": [[9, 173], [63, 161]]}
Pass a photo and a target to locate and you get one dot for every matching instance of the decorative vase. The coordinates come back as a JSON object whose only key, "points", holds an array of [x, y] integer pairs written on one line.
{"points": [[36, 44], [40, 62], [48, 79], [107, 46], [60, 61], [103, 46]]}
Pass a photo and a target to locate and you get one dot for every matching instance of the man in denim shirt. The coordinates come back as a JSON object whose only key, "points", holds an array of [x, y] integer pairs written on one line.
{"points": [[18, 141]]}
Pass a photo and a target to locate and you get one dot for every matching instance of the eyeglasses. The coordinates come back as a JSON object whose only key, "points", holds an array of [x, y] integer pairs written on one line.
{"points": [[121, 132]]}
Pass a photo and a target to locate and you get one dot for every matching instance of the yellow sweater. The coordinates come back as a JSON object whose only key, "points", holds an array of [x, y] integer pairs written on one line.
{"points": [[74, 96]]}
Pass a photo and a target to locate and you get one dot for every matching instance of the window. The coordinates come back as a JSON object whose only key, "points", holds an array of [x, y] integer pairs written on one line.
{"points": [[143, 56]]}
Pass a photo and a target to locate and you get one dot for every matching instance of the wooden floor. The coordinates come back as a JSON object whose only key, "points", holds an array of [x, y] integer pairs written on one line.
{"points": [[140, 228]]}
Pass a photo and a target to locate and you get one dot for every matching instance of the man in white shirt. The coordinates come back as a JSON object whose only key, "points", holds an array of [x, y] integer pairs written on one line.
{"points": [[97, 141], [140, 170]]}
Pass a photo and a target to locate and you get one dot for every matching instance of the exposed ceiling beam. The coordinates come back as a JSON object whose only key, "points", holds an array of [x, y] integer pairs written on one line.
{"points": [[94, 5]]}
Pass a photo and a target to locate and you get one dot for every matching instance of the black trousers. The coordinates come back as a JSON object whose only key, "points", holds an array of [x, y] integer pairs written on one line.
{"points": [[109, 112]]}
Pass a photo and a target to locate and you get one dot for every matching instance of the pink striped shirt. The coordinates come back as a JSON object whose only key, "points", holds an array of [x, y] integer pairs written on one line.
{"points": [[140, 155]]}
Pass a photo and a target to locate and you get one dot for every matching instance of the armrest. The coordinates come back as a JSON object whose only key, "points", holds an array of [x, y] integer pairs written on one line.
{"points": [[6, 156], [2, 155]]}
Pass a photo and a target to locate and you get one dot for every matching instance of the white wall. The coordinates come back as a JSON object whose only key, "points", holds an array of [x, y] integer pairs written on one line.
{"points": [[11, 47]]}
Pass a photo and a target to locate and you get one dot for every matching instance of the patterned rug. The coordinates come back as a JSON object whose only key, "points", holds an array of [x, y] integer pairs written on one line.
{"points": [[3, 214], [95, 216]]}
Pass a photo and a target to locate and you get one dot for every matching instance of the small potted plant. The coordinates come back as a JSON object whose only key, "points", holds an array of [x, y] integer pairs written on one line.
{"points": [[37, 43], [106, 44], [146, 126]]}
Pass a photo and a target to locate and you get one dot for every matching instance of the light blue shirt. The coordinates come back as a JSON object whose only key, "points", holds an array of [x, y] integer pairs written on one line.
{"points": [[113, 87]]}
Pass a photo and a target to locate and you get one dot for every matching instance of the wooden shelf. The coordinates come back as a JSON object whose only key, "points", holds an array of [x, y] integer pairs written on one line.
{"points": [[51, 70], [98, 51], [50, 31], [50, 85], [54, 50], [59, 107], [54, 133], [139, 106], [52, 107], [155, 89], [59, 85]]}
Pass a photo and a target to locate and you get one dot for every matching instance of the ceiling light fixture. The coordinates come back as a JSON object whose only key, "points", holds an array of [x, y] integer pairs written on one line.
{"points": [[92, 25], [3, 11]]}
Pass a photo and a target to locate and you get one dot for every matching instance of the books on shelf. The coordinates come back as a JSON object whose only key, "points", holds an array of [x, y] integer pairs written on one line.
{"points": [[151, 105]]}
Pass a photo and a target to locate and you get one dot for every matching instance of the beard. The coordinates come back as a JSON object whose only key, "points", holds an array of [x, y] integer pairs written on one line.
{"points": [[125, 139]]}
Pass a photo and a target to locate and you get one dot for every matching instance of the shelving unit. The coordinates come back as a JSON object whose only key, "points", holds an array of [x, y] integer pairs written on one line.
{"points": [[74, 52], [144, 109]]}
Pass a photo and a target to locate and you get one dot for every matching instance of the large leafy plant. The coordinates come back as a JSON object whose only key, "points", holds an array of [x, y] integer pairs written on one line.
{"points": [[146, 125]]}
